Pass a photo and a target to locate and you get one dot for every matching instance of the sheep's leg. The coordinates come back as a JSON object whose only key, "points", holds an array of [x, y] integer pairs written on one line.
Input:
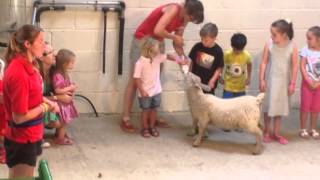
{"points": [[195, 126], [194, 130], [258, 133], [202, 128]]}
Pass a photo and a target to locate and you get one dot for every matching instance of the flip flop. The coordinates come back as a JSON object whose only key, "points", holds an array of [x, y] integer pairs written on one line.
{"points": [[282, 140]]}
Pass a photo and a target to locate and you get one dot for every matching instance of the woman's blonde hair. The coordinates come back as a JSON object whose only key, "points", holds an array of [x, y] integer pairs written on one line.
{"points": [[147, 47]]}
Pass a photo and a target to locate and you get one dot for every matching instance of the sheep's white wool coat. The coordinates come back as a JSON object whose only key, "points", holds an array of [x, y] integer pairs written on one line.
{"points": [[241, 112]]}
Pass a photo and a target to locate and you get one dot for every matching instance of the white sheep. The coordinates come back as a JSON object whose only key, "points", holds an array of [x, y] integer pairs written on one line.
{"points": [[236, 113]]}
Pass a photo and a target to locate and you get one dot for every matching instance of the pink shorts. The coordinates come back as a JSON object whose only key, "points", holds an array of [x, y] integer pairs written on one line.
{"points": [[310, 99]]}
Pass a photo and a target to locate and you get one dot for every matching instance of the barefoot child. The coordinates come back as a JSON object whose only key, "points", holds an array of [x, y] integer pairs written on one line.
{"points": [[147, 78]]}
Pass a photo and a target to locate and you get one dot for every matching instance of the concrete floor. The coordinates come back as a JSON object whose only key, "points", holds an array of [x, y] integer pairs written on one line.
{"points": [[103, 151]]}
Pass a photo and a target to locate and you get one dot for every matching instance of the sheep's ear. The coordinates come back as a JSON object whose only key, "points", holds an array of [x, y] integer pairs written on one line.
{"points": [[196, 78], [206, 88], [197, 85]]}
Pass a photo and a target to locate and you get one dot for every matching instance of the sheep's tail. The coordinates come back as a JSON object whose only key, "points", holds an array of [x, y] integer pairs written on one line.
{"points": [[260, 98]]}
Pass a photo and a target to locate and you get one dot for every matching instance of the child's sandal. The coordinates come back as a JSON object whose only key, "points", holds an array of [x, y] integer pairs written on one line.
{"points": [[154, 132], [304, 134], [282, 140], [145, 133], [314, 134]]}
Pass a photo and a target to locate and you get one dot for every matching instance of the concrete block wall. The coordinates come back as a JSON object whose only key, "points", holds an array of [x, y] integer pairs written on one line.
{"points": [[81, 31]]}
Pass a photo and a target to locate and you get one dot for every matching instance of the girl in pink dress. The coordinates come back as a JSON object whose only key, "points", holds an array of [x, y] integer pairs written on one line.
{"points": [[62, 84]]}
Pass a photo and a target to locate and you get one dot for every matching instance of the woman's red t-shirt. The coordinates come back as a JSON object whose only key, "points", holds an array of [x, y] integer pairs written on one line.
{"points": [[147, 27], [22, 91]]}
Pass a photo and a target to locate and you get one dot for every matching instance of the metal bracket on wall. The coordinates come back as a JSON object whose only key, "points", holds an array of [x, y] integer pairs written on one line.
{"points": [[40, 7]]}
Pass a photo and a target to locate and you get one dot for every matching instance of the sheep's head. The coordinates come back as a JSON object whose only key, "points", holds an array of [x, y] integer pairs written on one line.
{"points": [[195, 81]]}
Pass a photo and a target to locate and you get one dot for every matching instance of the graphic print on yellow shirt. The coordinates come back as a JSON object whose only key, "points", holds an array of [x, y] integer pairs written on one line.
{"points": [[205, 60], [235, 72]]}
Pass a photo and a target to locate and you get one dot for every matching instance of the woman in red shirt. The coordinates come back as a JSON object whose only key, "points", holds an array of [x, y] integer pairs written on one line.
{"points": [[23, 101], [160, 24]]}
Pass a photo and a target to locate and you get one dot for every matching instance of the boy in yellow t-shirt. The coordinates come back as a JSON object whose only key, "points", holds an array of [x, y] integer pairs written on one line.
{"points": [[238, 67]]}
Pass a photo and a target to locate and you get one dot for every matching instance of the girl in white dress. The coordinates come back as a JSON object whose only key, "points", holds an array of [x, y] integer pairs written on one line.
{"points": [[278, 75]]}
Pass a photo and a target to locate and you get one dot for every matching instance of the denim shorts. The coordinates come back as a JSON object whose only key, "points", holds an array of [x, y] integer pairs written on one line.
{"points": [[150, 102]]}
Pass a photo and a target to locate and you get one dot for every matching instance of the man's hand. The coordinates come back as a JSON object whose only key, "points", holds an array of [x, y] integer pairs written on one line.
{"points": [[178, 41]]}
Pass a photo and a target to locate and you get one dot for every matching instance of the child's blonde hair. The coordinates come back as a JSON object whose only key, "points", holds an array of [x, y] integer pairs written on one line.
{"points": [[63, 57], [147, 47]]}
